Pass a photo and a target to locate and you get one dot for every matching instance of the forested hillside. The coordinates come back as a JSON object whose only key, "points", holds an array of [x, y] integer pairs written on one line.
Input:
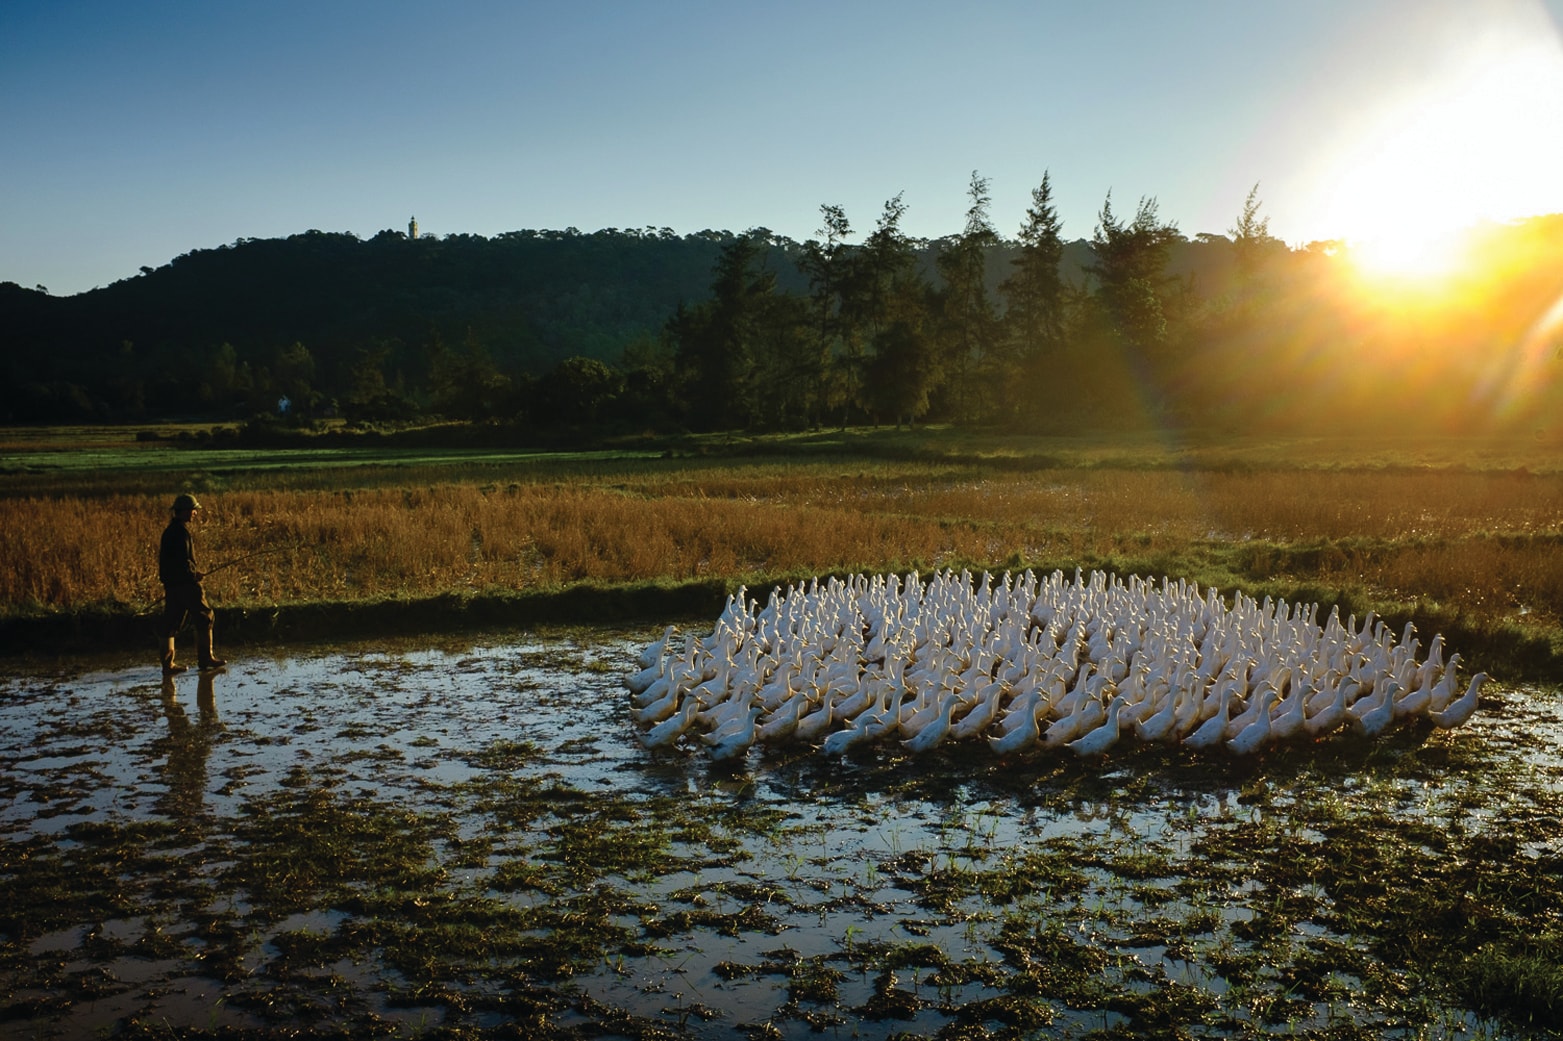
{"points": [[230, 329], [560, 331]]}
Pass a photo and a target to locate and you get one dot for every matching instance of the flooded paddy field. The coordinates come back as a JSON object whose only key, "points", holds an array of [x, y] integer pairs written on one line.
{"points": [[469, 841]]}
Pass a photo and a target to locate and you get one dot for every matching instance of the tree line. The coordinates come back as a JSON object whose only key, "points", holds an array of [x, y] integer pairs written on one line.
{"points": [[564, 334], [1145, 327]]}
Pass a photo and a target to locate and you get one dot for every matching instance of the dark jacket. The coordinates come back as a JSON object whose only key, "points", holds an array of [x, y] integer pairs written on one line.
{"points": [[176, 556]]}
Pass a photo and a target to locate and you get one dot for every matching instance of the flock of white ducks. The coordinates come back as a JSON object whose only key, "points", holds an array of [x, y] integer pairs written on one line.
{"points": [[1082, 664]]}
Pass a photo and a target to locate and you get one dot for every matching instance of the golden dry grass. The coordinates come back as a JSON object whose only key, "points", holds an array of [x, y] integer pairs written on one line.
{"points": [[1491, 542]]}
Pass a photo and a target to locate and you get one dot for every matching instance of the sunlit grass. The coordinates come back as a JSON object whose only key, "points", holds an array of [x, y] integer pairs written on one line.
{"points": [[1469, 529], [1485, 540]]}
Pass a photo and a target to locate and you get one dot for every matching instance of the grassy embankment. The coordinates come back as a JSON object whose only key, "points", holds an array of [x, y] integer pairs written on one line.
{"points": [[1461, 536]]}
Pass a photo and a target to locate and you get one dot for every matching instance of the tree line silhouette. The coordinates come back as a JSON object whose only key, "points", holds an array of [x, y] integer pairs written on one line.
{"points": [[567, 335]]}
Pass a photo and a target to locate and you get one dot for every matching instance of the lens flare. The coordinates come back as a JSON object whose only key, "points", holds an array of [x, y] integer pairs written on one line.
{"points": [[1480, 143], [1517, 383]]}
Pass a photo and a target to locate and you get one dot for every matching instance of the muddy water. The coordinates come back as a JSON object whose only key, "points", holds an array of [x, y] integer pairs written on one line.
{"points": [[408, 838]]}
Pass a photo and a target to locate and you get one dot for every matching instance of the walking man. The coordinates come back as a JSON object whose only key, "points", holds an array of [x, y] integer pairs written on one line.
{"points": [[182, 592]]}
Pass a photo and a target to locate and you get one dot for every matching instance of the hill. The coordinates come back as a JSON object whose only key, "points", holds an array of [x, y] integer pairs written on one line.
{"points": [[567, 328], [179, 339]]}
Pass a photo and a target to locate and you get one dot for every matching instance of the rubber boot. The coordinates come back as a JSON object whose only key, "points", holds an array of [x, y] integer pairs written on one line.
{"points": [[169, 667], [209, 661]]}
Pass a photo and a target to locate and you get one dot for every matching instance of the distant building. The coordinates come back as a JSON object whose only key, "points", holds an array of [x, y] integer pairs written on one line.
{"points": [[412, 228]]}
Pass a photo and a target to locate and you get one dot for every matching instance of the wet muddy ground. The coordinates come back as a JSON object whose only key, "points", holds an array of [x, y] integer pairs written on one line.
{"points": [[465, 841]]}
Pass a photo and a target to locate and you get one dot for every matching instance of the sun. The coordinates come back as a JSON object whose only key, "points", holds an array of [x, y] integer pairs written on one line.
{"points": [[1415, 254], [1479, 145]]}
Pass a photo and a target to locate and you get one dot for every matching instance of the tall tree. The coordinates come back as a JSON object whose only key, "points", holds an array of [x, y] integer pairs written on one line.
{"points": [[968, 320], [716, 341], [885, 266], [1251, 235], [1236, 325], [1034, 290], [902, 372], [370, 397], [827, 263], [1130, 265], [788, 372], [888, 302]]}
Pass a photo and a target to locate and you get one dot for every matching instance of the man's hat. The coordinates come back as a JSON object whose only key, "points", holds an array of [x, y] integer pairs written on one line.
{"points": [[186, 502]]}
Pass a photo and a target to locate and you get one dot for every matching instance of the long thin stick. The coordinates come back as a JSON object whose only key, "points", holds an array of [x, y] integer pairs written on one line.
{"points": [[229, 563], [247, 556]]}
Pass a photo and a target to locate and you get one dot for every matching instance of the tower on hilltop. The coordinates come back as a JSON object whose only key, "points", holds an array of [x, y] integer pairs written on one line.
{"points": [[412, 228]]}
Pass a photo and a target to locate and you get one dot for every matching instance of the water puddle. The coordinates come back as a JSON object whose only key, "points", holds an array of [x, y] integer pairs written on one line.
{"points": [[409, 838]]}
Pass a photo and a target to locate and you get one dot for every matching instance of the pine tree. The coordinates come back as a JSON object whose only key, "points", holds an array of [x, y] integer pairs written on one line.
{"points": [[827, 263], [1130, 263], [885, 291], [1034, 290], [716, 341], [968, 319]]}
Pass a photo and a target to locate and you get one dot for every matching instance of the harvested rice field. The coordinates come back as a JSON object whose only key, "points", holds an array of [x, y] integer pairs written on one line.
{"points": [[469, 840]]}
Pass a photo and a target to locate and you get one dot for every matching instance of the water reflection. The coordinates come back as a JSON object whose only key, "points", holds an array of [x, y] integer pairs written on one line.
{"points": [[1044, 865], [187, 747]]}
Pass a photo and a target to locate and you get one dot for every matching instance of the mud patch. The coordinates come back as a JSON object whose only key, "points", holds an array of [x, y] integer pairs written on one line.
{"points": [[406, 840]]}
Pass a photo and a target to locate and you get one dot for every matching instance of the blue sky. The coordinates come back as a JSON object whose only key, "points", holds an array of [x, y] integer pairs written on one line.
{"points": [[132, 133]]}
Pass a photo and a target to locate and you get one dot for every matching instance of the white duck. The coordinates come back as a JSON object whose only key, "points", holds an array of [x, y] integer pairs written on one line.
{"points": [[1099, 740], [1371, 714], [1025, 732], [719, 714], [662, 708], [1089, 715], [745, 718], [935, 732], [1158, 724], [1433, 667], [1330, 714], [1190, 704], [652, 652], [1212, 731], [1459, 710], [1250, 714], [637, 682], [734, 742], [1251, 737], [1444, 690], [815, 723], [1021, 710], [837, 742], [981, 714], [1289, 714], [673, 727], [782, 722], [1413, 701]]}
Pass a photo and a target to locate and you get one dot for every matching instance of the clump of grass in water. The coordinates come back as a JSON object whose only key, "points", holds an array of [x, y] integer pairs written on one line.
{"points": [[304, 845], [1521, 981]]}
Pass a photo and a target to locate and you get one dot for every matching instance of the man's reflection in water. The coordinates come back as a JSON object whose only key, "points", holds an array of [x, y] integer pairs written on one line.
{"points": [[206, 699], [187, 746]]}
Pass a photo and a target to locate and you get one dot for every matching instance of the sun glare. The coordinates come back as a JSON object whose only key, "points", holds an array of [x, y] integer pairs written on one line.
{"points": [[1484, 145], [1416, 254]]}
